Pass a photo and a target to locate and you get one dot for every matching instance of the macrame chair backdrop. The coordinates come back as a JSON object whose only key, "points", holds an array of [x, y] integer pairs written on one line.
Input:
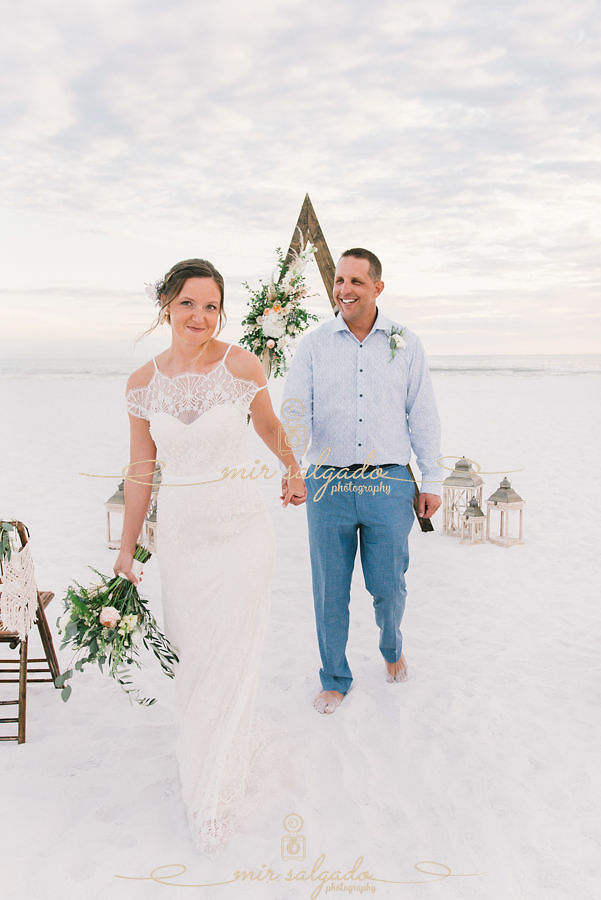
{"points": [[19, 596], [307, 228], [16, 611]]}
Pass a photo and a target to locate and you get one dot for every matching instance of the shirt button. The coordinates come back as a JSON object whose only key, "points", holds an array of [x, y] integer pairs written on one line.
{"points": [[360, 345], [360, 395], [360, 420], [358, 445], [360, 370]]}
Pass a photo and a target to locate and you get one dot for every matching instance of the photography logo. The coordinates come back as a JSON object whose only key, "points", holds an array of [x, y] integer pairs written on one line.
{"points": [[293, 843]]}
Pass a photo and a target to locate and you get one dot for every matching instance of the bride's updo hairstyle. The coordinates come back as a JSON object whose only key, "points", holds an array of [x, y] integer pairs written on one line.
{"points": [[169, 288]]}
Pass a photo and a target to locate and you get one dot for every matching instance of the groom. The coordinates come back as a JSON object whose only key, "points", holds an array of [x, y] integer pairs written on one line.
{"points": [[359, 396]]}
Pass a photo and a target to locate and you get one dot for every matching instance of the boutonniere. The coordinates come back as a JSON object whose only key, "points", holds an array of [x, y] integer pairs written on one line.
{"points": [[396, 341]]}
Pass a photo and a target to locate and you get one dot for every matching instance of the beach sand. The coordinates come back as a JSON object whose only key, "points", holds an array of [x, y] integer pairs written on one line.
{"points": [[483, 762]]}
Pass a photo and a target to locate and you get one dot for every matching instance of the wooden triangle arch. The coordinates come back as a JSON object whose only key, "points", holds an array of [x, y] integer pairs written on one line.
{"points": [[306, 229]]}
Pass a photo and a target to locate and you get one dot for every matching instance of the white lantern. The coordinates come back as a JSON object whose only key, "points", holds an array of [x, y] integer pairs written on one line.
{"points": [[506, 502], [472, 524], [114, 518], [462, 485], [150, 527], [115, 507]]}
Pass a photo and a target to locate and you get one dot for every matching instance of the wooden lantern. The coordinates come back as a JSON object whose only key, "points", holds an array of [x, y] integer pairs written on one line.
{"points": [[150, 527], [115, 507], [506, 501], [472, 524], [462, 485]]}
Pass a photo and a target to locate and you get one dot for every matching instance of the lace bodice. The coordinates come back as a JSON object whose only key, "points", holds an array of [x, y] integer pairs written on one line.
{"points": [[198, 421], [186, 397]]}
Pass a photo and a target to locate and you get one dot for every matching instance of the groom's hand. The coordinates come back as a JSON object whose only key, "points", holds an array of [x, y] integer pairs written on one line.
{"points": [[428, 504], [294, 491]]}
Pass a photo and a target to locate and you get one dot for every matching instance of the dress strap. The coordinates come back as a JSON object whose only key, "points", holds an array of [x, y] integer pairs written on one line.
{"points": [[224, 357], [156, 368]]}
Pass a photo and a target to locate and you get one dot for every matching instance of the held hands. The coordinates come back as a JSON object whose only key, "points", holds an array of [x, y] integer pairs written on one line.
{"points": [[123, 566], [294, 490], [428, 504]]}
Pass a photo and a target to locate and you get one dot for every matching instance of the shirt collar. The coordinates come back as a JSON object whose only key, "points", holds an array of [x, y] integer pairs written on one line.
{"points": [[382, 323]]}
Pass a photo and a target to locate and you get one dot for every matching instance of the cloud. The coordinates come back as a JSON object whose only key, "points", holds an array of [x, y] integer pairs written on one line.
{"points": [[459, 139]]}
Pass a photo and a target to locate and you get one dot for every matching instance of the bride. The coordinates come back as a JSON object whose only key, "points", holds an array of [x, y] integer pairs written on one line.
{"points": [[188, 409]]}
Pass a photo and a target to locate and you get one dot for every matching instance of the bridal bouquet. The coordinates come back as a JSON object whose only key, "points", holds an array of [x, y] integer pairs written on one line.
{"points": [[6, 529], [276, 316], [109, 623]]}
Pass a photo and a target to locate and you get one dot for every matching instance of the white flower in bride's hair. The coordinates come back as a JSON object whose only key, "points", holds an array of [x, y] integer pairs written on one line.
{"points": [[154, 290]]}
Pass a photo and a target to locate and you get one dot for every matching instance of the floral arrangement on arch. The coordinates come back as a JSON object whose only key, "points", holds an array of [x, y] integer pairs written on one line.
{"points": [[276, 316]]}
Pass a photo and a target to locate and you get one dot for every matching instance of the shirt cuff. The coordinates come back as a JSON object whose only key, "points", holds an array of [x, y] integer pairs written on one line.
{"points": [[432, 479]]}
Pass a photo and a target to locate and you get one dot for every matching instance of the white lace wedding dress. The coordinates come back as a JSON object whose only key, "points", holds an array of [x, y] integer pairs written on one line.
{"points": [[215, 549]]}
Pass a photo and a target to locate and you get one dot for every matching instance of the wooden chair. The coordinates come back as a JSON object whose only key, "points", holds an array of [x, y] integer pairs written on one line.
{"points": [[20, 667]]}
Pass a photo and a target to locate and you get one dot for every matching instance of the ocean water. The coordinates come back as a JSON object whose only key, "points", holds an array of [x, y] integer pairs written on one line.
{"points": [[531, 365]]}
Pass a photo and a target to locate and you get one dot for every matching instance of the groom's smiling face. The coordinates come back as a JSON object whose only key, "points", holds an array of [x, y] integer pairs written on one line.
{"points": [[355, 292]]}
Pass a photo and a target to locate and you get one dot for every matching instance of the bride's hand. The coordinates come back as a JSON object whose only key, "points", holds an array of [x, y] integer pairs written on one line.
{"points": [[123, 566], [294, 490]]}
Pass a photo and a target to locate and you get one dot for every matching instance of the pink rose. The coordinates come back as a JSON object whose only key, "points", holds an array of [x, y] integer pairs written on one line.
{"points": [[109, 616], [270, 344]]}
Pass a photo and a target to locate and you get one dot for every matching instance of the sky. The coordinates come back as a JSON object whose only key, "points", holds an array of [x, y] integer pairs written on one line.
{"points": [[458, 139]]}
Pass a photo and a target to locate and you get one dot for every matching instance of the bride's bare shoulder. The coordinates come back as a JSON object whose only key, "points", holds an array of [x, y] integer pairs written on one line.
{"points": [[244, 364], [140, 377]]}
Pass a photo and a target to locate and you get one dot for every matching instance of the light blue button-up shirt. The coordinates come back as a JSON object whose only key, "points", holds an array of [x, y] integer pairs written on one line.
{"points": [[350, 398]]}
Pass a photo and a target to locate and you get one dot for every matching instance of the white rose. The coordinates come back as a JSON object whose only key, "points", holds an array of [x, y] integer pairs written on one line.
{"points": [[274, 327], [399, 341], [109, 616]]}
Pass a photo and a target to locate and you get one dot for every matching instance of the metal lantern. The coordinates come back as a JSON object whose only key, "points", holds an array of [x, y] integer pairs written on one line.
{"points": [[462, 485], [472, 524], [506, 501]]}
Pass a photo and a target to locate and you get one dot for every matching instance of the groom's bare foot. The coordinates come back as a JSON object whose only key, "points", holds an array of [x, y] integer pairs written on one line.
{"points": [[397, 671], [327, 701]]}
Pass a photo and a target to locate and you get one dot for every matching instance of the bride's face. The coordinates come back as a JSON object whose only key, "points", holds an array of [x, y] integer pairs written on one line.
{"points": [[194, 313]]}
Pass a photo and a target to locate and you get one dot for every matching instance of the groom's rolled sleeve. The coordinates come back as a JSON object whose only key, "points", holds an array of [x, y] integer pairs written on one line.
{"points": [[423, 422], [296, 412]]}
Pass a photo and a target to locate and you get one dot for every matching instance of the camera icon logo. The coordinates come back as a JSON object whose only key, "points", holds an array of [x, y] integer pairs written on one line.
{"points": [[291, 414], [293, 843]]}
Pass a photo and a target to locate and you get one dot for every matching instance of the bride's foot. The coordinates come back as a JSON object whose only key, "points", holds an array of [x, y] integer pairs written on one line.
{"points": [[397, 671], [327, 701]]}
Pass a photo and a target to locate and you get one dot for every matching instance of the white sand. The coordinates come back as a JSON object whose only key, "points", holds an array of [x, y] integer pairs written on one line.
{"points": [[484, 760]]}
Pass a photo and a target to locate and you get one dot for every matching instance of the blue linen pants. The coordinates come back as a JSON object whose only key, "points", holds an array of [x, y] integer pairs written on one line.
{"points": [[378, 511]]}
